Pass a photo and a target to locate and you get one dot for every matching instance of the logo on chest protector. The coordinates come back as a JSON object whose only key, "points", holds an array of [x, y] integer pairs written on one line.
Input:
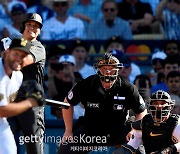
{"points": [[118, 107], [92, 105]]}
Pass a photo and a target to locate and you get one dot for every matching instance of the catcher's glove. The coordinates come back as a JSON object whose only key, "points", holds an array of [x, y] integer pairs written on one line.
{"points": [[30, 89]]}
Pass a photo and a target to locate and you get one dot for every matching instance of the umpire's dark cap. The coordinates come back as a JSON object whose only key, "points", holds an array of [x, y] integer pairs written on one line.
{"points": [[20, 44]]}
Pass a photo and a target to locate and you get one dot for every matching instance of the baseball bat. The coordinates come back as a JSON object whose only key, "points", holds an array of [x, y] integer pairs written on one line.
{"points": [[58, 104]]}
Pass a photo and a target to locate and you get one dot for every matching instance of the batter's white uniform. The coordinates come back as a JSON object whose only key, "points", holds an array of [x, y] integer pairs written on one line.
{"points": [[8, 87]]}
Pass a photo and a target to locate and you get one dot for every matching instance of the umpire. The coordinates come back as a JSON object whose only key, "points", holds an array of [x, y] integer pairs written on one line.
{"points": [[31, 122], [107, 99]]}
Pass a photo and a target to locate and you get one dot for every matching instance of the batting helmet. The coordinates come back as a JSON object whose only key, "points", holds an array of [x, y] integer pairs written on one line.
{"points": [[31, 17], [160, 112]]}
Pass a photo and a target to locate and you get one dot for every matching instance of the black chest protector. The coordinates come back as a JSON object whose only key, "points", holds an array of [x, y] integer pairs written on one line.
{"points": [[158, 136]]}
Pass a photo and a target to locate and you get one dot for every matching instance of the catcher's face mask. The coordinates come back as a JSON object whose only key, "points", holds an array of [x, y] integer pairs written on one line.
{"points": [[160, 106]]}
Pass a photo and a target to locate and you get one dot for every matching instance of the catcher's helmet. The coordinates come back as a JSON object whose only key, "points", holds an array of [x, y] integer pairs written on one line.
{"points": [[108, 76], [160, 112], [31, 17]]}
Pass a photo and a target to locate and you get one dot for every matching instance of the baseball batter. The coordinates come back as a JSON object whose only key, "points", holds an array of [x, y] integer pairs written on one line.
{"points": [[31, 122]]}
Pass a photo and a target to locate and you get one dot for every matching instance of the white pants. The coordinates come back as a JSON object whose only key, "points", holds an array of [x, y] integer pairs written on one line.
{"points": [[7, 142]]}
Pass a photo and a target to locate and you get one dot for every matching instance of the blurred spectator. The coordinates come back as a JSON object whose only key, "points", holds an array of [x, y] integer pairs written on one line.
{"points": [[153, 4], [4, 13], [2, 24], [157, 65], [116, 43], [54, 52], [139, 15], [168, 12], [173, 83], [171, 63], [74, 77], [126, 62], [62, 26], [80, 52], [17, 11], [41, 8], [143, 83], [126, 70], [109, 25], [157, 61], [172, 47], [64, 79], [86, 10]]}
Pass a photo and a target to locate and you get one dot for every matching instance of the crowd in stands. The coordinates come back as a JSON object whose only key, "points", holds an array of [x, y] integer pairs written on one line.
{"points": [[92, 19], [108, 20], [80, 21]]}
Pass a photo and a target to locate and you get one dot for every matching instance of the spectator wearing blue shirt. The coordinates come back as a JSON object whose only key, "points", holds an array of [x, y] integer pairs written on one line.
{"points": [[109, 25], [168, 13], [62, 26], [86, 10], [17, 10], [42, 10]]}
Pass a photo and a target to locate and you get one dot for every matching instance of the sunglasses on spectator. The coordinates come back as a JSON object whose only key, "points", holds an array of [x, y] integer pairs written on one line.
{"points": [[57, 4], [109, 9]]}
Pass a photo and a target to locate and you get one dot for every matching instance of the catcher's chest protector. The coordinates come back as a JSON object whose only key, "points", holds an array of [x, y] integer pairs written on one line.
{"points": [[157, 137]]}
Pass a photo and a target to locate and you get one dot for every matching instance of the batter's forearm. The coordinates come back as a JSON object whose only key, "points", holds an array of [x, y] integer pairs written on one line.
{"points": [[13, 109]]}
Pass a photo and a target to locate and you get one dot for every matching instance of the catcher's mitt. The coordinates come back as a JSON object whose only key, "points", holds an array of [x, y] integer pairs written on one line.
{"points": [[30, 89]]}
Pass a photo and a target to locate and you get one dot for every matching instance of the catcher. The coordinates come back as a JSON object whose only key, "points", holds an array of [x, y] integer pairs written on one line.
{"points": [[10, 82], [159, 131]]}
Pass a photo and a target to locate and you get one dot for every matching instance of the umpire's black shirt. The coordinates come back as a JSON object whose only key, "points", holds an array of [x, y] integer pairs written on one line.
{"points": [[106, 110]]}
